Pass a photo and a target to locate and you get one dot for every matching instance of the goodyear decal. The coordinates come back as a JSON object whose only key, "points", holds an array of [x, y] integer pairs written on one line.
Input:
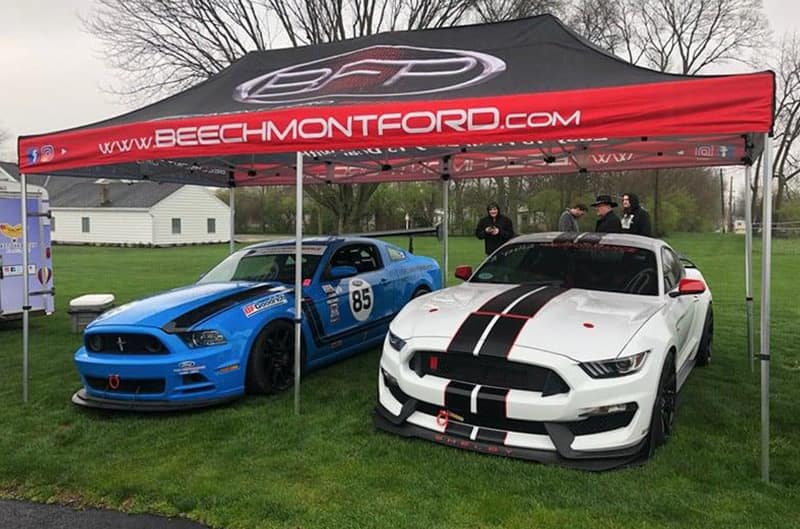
{"points": [[262, 304]]}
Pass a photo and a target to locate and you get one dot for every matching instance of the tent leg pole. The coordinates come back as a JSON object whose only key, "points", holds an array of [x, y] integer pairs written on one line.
{"points": [[232, 208], [445, 230], [298, 280], [25, 286], [748, 264], [766, 262]]}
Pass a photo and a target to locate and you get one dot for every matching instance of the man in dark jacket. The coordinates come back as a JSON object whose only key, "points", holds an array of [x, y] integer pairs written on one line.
{"points": [[607, 220], [494, 229], [635, 219]]}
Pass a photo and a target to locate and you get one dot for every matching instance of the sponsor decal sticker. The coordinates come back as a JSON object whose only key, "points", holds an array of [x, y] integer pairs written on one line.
{"points": [[361, 298], [188, 367], [12, 231], [254, 308]]}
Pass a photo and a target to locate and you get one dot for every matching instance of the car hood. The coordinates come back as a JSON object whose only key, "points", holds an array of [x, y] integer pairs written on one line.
{"points": [[161, 309], [582, 324]]}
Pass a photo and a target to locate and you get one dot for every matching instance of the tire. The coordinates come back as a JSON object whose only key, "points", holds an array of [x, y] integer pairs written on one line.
{"points": [[704, 350], [270, 366], [420, 291], [663, 416]]}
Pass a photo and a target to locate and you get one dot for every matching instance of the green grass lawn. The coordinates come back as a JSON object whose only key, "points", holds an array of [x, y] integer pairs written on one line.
{"points": [[255, 464]]}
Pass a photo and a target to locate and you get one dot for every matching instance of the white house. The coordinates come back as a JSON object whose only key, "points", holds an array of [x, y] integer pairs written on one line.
{"points": [[104, 211]]}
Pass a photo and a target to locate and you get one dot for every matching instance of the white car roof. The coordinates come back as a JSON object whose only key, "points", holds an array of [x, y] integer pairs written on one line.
{"points": [[621, 239]]}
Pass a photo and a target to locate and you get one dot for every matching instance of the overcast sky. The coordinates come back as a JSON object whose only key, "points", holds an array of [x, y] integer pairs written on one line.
{"points": [[52, 73]]}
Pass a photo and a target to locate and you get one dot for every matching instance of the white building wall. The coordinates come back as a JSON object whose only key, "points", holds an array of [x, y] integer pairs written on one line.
{"points": [[106, 225], [194, 205]]}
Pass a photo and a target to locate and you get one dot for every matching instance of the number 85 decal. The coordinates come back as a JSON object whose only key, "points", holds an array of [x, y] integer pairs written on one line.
{"points": [[361, 299]]}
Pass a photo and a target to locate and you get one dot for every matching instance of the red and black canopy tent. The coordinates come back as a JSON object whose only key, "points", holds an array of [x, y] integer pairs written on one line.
{"points": [[526, 97]]}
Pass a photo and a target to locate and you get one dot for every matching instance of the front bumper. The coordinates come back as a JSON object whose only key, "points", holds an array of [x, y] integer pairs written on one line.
{"points": [[544, 426], [180, 378]]}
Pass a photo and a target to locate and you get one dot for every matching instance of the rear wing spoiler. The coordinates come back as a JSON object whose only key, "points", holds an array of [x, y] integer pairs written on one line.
{"points": [[410, 233]]}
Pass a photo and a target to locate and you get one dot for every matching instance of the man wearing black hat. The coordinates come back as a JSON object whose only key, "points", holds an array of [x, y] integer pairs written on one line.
{"points": [[495, 229], [607, 220]]}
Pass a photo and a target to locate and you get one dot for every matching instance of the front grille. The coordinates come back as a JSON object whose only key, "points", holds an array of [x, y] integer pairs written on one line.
{"points": [[488, 371], [124, 343], [136, 386]]}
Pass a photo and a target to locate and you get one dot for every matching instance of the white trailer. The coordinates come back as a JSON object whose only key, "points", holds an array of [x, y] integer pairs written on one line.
{"points": [[40, 261]]}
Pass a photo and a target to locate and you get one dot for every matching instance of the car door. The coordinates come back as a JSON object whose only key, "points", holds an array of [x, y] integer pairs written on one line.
{"points": [[349, 306], [680, 309]]}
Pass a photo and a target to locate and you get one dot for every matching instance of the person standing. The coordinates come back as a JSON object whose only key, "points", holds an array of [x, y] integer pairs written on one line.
{"points": [[495, 228], [607, 220], [635, 219], [569, 219]]}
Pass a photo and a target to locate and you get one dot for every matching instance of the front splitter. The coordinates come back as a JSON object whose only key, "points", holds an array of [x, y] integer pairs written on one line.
{"points": [[589, 461], [81, 398]]}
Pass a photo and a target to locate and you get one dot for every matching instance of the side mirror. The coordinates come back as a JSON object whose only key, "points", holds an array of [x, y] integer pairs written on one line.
{"points": [[340, 272], [688, 286], [463, 272]]}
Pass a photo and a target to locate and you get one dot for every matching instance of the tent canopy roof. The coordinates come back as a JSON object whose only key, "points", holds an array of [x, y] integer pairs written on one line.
{"points": [[523, 97]]}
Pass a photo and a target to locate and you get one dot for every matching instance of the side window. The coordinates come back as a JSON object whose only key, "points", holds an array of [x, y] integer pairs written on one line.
{"points": [[364, 257], [673, 271], [395, 254], [369, 259]]}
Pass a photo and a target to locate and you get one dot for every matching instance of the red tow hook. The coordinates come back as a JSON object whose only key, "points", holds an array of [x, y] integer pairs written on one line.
{"points": [[113, 381], [443, 418]]}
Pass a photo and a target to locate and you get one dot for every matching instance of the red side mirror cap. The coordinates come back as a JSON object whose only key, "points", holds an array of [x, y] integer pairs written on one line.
{"points": [[463, 272], [691, 286]]}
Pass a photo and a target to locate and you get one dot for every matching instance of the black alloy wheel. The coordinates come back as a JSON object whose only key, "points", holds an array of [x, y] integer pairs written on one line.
{"points": [[663, 417], [270, 368], [706, 347]]}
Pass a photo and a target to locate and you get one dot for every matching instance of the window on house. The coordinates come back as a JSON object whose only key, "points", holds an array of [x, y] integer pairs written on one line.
{"points": [[176, 226], [85, 225], [211, 225], [52, 224]]}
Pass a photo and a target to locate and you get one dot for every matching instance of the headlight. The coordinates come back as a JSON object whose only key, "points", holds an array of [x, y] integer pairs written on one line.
{"points": [[396, 342], [616, 367], [203, 338]]}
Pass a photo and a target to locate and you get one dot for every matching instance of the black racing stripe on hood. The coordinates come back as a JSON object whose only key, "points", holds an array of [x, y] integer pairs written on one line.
{"points": [[196, 315], [505, 331], [467, 336], [532, 304], [504, 299], [502, 336]]}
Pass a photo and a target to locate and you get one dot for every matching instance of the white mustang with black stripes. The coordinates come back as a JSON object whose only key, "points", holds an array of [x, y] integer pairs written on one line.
{"points": [[562, 347]]}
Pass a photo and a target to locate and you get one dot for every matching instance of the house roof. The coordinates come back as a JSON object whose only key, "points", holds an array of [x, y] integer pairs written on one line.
{"points": [[67, 192]]}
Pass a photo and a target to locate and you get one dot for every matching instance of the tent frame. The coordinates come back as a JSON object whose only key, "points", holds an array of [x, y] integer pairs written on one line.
{"points": [[764, 355]]}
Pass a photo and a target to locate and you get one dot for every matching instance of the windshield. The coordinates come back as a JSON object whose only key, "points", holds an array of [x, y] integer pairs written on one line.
{"points": [[271, 263], [574, 265]]}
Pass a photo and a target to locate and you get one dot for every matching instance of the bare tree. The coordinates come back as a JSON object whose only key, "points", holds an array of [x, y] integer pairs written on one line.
{"points": [[787, 115], [497, 10], [162, 46], [687, 36]]}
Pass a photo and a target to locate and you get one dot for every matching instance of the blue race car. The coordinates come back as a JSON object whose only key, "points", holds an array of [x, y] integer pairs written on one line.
{"points": [[232, 331]]}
